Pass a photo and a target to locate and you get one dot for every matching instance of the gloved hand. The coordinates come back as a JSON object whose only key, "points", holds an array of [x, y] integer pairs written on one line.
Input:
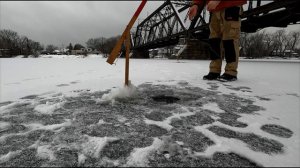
{"points": [[212, 4], [193, 12]]}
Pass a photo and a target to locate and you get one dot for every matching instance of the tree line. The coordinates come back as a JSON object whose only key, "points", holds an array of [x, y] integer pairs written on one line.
{"points": [[102, 44], [253, 45], [12, 44], [261, 44]]}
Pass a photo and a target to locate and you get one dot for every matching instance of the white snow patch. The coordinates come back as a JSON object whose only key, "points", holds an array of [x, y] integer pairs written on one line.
{"points": [[121, 119], [4, 125], [101, 121], [125, 92], [48, 108], [218, 146], [213, 107], [179, 115], [81, 159], [36, 126], [8, 156], [94, 56], [166, 123], [161, 124], [139, 156], [44, 152], [94, 145], [180, 143], [4, 109]]}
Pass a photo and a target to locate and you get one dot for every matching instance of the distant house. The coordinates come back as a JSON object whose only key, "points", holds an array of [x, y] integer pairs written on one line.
{"points": [[57, 52], [84, 51], [286, 53]]}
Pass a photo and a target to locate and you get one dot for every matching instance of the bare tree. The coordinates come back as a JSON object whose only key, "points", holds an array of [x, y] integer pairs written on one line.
{"points": [[50, 48], [294, 38], [16, 45]]}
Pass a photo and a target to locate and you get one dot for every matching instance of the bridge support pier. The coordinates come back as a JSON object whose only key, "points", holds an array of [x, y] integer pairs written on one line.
{"points": [[195, 49], [141, 53]]}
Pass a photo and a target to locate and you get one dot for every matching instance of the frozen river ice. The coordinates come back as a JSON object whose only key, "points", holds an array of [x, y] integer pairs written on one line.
{"points": [[76, 112]]}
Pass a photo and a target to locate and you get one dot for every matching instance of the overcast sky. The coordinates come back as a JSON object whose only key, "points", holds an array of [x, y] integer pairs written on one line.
{"points": [[62, 22]]}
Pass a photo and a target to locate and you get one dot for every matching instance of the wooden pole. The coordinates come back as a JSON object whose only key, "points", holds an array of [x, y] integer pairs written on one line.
{"points": [[127, 43], [115, 52]]}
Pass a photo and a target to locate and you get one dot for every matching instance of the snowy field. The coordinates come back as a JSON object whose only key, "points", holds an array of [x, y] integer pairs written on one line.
{"points": [[76, 112]]}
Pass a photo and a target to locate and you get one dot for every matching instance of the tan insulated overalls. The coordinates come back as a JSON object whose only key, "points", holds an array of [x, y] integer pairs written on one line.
{"points": [[225, 27]]}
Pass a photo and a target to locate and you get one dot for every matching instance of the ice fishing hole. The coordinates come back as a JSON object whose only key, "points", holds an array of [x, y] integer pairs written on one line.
{"points": [[164, 98]]}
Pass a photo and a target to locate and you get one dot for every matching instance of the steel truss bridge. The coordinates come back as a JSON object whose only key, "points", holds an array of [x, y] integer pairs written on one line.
{"points": [[166, 25]]}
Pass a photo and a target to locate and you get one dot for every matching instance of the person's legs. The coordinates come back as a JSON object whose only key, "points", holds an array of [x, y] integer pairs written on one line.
{"points": [[230, 39], [215, 44]]}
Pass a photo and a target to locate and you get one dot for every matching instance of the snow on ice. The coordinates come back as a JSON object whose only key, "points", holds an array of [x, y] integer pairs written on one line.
{"points": [[77, 112]]}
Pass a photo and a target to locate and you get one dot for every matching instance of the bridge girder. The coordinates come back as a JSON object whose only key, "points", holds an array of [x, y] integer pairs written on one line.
{"points": [[165, 25]]}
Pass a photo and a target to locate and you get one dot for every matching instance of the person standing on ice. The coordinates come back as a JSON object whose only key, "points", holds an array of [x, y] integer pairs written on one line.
{"points": [[225, 29]]}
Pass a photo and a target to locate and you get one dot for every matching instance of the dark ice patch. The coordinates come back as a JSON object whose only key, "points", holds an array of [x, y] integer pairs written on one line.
{"points": [[198, 119], [254, 142], [241, 88], [5, 103], [79, 102], [62, 85], [213, 86], [30, 97], [277, 130], [13, 128], [231, 120], [74, 82], [90, 118], [155, 131], [158, 115], [27, 115], [232, 160], [139, 141], [66, 157], [68, 135], [235, 104], [192, 139], [26, 158], [145, 130], [293, 94], [14, 143], [47, 136], [107, 130], [263, 98], [217, 160], [194, 120], [117, 149], [183, 83]]}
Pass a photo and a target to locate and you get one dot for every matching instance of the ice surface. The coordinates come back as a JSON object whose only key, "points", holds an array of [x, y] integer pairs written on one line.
{"points": [[138, 157], [213, 107], [273, 85], [44, 152], [8, 156], [125, 92], [36, 126], [94, 145], [3, 125], [48, 108]]}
